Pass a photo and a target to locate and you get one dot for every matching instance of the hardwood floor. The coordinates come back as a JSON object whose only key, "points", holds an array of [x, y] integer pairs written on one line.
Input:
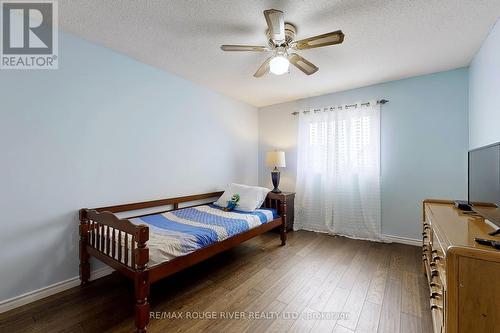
{"points": [[380, 288]]}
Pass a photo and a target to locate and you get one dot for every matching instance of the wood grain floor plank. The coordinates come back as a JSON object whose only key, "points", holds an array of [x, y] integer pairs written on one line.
{"points": [[296, 306], [343, 254], [305, 288], [341, 329], [244, 290], [425, 309], [295, 284], [323, 293], [397, 257], [349, 278], [334, 306], [361, 283], [309, 248], [369, 318], [263, 324], [410, 324], [410, 301], [390, 315], [305, 322], [377, 284]]}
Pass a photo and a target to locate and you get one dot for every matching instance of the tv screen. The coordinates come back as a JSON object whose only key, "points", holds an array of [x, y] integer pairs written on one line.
{"points": [[484, 175]]}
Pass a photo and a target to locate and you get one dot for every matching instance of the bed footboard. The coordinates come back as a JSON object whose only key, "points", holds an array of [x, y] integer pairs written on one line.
{"points": [[123, 246]]}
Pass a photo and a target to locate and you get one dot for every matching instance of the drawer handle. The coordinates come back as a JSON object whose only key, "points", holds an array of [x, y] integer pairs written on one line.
{"points": [[436, 257], [434, 272], [434, 284], [435, 295], [435, 306]]}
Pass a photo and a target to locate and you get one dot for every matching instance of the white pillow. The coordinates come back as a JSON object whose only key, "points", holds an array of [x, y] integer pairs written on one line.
{"points": [[251, 197]]}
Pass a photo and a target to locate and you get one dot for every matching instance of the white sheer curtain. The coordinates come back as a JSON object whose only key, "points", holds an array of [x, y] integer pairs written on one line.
{"points": [[338, 171]]}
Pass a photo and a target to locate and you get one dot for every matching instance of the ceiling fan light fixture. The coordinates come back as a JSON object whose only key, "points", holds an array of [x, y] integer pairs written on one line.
{"points": [[279, 65], [281, 42]]}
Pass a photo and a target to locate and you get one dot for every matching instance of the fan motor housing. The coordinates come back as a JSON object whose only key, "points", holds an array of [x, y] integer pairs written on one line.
{"points": [[290, 33]]}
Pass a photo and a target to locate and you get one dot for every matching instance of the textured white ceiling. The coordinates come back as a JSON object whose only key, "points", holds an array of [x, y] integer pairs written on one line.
{"points": [[385, 39]]}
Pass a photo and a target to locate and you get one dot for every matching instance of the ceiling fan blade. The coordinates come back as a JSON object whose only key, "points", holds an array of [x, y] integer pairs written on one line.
{"points": [[302, 64], [330, 38], [263, 69], [276, 23], [243, 48]]}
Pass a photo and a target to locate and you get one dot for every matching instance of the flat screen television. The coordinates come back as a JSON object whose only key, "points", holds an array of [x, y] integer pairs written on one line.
{"points": [[484, 175], [484, 182]]}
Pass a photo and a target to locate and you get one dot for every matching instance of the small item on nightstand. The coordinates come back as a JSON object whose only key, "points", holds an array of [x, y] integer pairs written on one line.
{"points": [[276, 159], [488, 242]]}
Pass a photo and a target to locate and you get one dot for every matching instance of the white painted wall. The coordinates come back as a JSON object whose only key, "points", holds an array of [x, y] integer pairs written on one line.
{"points": [[484, 92], [104, 129], [423, 142]]}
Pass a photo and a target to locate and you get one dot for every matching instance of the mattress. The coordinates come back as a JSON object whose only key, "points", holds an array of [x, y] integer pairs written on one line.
{"points": [[180, 232]]}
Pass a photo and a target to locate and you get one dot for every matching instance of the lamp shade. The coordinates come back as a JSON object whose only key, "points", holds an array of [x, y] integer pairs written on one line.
{"points": [[276, 159]]}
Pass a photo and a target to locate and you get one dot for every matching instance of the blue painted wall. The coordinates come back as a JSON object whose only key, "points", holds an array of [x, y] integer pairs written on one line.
{"points": [[484, 96], [104, 129], [423, 142]]}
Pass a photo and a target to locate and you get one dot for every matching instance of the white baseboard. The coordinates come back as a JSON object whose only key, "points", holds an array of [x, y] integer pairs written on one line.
{"points": [[55, 288], [402, 240]]}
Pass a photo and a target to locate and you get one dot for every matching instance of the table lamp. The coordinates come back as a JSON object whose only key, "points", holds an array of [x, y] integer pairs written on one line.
{"points": [[276, 159]]}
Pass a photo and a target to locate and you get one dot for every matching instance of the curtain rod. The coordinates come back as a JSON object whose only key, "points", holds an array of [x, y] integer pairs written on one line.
{"points": [[347, 106]]}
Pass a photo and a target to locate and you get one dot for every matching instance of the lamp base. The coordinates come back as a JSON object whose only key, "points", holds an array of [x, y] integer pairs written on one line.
{"points": [[275, 177]]}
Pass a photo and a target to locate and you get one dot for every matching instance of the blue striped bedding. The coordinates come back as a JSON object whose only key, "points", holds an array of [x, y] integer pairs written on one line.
{"points": [[180, 232]]}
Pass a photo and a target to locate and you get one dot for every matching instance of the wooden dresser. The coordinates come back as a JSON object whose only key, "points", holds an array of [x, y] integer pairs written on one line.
{"points": [[464, 277]]}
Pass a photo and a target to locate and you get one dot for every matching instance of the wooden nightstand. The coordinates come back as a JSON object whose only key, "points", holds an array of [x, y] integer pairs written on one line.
{"points": [[288, 198]]}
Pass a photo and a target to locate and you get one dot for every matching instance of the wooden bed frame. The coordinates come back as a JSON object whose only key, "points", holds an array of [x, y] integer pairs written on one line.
{"points": [[101, 230]]}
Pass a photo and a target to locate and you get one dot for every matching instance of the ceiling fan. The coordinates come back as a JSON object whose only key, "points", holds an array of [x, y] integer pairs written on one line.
{"points": [[281, 43]]}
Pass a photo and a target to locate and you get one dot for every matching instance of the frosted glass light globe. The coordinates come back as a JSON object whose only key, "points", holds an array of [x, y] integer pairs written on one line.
{"points": [[279, 65]]}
